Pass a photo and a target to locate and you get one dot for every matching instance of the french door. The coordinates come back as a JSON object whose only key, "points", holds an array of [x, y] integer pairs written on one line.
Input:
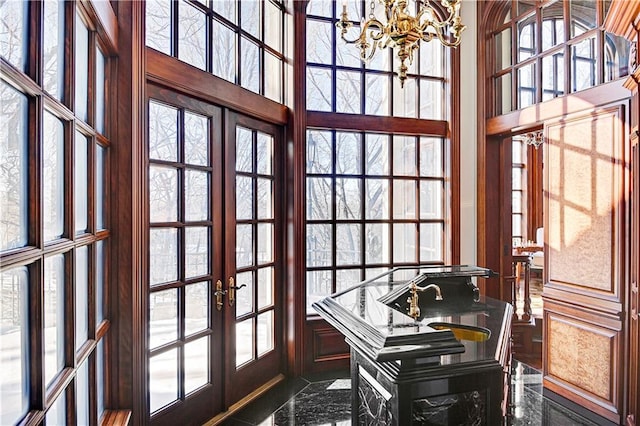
{"points": [[214, 314]]}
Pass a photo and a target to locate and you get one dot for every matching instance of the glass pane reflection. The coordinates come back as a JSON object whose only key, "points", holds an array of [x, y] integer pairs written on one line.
{"points": [[163, 379]]}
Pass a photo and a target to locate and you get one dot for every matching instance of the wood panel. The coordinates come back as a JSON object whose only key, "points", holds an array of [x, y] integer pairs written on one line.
{"points": [[584, 219], [583, 158], [582, 358]]}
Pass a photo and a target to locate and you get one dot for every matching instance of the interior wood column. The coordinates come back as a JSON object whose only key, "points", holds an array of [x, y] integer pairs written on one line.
{"points": [[624, 19]]}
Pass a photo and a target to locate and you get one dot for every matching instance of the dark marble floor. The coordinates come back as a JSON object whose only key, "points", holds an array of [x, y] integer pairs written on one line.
{"points": [[326, 400]]}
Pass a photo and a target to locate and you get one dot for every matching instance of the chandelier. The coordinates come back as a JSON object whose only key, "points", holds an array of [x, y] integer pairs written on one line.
{"points": [[402, 30], [534, 139]]}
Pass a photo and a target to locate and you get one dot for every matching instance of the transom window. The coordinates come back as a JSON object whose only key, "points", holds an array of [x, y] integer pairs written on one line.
{"points": [[241, 42], [559, 49]]}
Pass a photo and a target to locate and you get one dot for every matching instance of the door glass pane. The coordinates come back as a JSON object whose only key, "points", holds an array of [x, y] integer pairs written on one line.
{"points": [[163, 194], [244, 150], [158, 25], [82, 65], [264, 154], [100, 90], [244, 246], [244, 198], [244, 297], [265, 200], [196, 139], [14, 342], [265, 333], [163, 317], [163, 131], [163, 255], [100, 182], [196, 242], [163, 379], [224, 57], [53, 177], [192, 36], [265, 243], [53, 48], [265, 287], [250, 60], [244, 341], [197, 306], [81, 182], [82, 296], [14, 19], [82, 394], [14, 187], [100, 379], [196, 195], [196, 364], [54, 317]]}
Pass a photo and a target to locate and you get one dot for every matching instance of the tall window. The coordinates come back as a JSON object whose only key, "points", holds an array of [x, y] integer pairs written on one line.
{"points": [[544, 35], [54, 237], [373, 200], [241, 42], [519, 192]]}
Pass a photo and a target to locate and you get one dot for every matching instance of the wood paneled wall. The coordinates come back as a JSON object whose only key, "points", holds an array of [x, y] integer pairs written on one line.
{"points": [[585, 213]]}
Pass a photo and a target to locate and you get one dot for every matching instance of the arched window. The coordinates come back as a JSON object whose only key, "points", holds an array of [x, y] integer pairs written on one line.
{"points": [[543, 50]]}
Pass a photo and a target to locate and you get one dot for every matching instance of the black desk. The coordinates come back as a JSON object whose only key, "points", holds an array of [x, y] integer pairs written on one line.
{"points": [[404, 371]]}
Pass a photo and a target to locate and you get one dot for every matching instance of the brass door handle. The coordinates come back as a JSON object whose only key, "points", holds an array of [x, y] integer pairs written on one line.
{"points": [[219, 293], [232, 290]]}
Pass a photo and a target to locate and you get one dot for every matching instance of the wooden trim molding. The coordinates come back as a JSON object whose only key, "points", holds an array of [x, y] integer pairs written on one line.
{"points": [[170, 72], [372, 123]]}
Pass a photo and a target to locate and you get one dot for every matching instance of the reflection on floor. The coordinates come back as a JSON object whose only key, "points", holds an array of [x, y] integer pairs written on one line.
{"points": [[327, 401]]}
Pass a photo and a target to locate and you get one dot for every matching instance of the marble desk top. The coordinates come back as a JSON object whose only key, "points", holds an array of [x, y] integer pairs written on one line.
{"points": [[386, 332]]}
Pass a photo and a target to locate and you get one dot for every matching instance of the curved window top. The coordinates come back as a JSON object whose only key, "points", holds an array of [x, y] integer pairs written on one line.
{"points": [[550, 49], [338, 81]]}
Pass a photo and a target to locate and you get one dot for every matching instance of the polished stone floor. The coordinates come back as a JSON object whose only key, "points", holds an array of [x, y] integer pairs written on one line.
{"points": [[326, 400]]}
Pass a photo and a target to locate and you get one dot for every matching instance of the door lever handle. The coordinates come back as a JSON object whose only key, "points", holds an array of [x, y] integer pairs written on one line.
{"points": [[232, 290], [219, 293]]}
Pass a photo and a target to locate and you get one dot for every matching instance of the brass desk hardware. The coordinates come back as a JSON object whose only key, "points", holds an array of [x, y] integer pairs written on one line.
{"points": [[414, 309]]}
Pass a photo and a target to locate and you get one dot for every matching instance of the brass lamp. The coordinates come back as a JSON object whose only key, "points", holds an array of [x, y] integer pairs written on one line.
{"points": [[403, 30]]}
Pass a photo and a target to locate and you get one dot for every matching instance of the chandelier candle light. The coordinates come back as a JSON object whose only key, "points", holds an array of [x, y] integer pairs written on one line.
{"points": [[403, 30]]}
